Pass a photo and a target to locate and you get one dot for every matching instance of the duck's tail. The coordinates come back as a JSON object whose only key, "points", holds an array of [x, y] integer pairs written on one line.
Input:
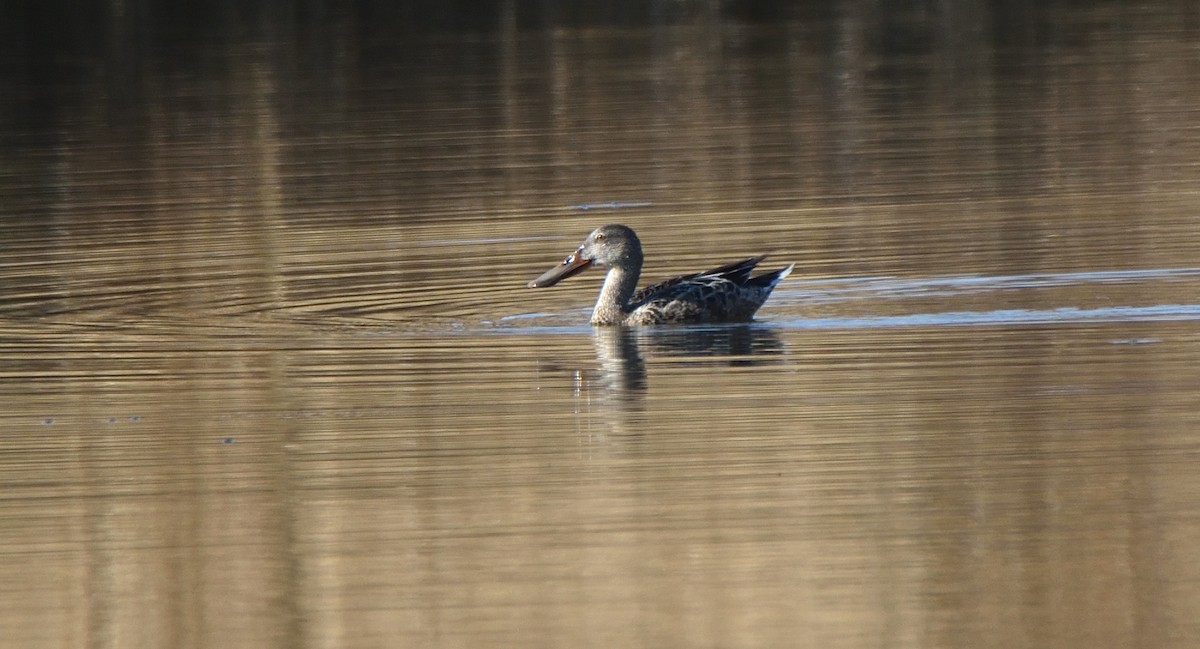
{"points": [[769, 280]]}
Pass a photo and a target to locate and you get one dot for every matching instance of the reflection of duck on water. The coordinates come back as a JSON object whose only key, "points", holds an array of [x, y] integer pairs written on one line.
{"points": [[622, 352], [724, 294], [614, 390], [721, 344]]}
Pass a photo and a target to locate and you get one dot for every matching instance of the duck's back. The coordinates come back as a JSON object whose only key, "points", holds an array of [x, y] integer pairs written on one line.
{"points": [[724, 294]]}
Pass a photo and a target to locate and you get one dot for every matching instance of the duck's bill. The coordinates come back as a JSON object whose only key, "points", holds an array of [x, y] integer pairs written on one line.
{"points": [[571, 266]]}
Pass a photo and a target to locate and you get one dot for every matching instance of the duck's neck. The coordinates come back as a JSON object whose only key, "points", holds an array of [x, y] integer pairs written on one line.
{"points": [[613, 304]]}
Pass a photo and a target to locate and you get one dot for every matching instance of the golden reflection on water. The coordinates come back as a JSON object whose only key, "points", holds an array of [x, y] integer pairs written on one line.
{"points": [[529, 487], [271, 376]]}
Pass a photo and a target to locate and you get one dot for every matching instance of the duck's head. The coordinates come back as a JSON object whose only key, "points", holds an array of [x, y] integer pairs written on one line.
{"points": [[611, 246]]}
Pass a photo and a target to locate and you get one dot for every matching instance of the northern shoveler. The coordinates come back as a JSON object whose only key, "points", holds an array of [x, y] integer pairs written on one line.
{"points": [[724, 294]]}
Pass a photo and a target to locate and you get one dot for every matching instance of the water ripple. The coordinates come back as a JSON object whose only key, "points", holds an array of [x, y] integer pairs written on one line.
{"points": [[1159, 312], [857, 288]]}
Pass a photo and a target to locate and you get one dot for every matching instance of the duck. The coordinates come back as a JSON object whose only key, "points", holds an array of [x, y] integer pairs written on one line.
{"points": [[724, 294]]}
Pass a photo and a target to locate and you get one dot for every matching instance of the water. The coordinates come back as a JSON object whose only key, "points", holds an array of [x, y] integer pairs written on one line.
{"points": [[270, 375]]}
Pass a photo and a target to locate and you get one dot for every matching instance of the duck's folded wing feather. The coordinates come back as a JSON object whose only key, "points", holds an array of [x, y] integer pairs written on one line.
{"points": [[737, 272]]}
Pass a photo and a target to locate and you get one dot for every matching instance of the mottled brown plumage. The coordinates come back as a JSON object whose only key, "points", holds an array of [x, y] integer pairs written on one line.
{"points": [[724, 294]]}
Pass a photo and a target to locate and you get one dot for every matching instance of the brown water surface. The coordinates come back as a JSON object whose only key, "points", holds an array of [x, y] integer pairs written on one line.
{"points": [[269, 375]]}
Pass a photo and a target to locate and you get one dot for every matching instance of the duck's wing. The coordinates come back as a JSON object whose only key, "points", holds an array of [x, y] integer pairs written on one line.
{"points": [[724, 294], [732, 274], [737, 272]]}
